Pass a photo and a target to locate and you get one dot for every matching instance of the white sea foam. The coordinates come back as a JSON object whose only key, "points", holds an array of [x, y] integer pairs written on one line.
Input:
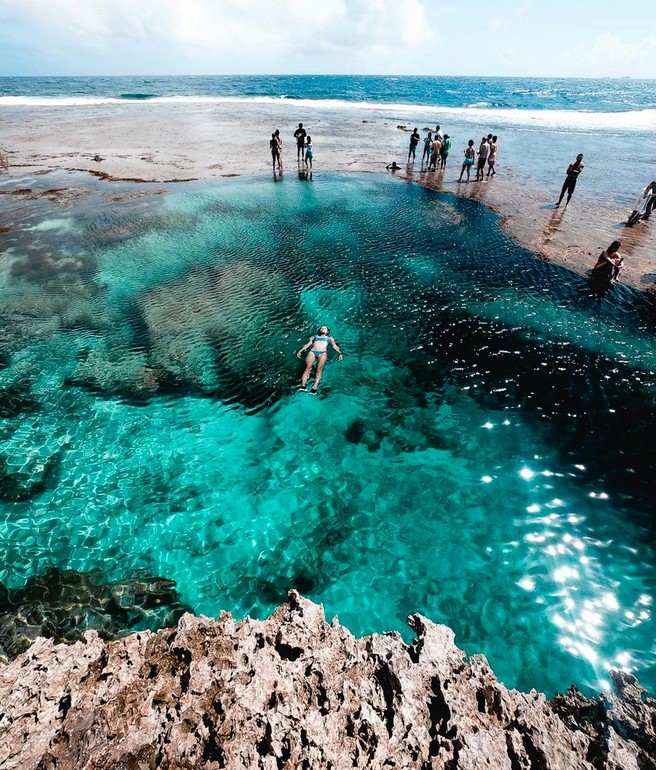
{"points": [[638, 120]]}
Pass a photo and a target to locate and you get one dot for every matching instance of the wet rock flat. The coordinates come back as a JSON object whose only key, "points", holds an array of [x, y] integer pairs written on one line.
{"points": [[294, 691]]}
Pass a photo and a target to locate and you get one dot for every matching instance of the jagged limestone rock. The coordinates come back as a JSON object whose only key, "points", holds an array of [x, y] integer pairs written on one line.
{"points": [[294, 691]]}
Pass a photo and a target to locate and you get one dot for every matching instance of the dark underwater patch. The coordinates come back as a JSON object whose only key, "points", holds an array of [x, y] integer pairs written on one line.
{"points": [[64, 604]]}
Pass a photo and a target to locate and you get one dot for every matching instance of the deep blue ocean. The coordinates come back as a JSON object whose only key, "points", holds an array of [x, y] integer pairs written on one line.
{"points": [[588, 95]]}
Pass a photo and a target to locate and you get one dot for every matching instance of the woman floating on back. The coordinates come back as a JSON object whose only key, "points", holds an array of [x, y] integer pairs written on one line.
{"points": [[318, 345]]}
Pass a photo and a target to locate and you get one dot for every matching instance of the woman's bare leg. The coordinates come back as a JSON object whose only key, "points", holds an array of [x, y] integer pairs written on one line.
{"points": [[309, 360], [319, 373]]}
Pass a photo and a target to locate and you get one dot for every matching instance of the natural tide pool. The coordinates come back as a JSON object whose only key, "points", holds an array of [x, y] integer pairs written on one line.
{"points": [[482, 455]]}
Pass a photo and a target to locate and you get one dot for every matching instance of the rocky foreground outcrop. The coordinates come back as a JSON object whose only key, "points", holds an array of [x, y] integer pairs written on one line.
{"points": [[296, 692]]}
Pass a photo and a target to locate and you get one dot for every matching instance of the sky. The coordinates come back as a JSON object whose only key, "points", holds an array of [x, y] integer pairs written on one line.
{"points": [[558, 38]]}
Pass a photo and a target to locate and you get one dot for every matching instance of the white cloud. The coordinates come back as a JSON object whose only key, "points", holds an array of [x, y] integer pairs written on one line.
{"points": [[611, 54], [517, 14], [219, 28]]}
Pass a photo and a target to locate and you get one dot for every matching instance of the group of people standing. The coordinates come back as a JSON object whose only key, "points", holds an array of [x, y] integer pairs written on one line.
{"points": [[304, 149], [487, 154], [437, 146]]}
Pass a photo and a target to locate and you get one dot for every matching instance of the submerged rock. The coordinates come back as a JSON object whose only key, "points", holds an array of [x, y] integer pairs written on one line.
{"points": [[16, 399], [62, 605], [222, 330], [296, 692], [22, 483]]}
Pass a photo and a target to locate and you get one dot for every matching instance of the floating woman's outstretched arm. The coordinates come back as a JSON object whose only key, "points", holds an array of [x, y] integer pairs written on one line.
{"points": [[334, 344], [305, 347]]}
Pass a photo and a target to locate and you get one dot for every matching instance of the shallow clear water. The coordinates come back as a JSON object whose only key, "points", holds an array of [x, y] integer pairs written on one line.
{"points": [[483, 454]]}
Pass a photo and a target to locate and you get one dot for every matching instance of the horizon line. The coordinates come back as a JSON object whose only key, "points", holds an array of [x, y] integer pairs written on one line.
{"points": [[338, 75]]}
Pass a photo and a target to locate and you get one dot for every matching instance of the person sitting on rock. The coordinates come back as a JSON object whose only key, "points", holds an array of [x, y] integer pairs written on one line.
{"points": [[609, 264]]}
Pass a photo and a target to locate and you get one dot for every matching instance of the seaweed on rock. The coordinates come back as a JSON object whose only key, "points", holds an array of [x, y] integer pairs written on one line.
{"points": [[64, 604]]}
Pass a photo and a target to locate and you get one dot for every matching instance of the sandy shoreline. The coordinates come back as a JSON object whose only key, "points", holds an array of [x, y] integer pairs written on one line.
{"points": [[180, 143]]}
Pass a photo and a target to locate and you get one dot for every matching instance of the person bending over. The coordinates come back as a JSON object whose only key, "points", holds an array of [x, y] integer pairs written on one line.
{"points": [[318, 345], [643, 204]]}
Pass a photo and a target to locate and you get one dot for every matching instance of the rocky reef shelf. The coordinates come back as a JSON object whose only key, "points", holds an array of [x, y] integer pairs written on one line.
{"points": [[294, 691]]}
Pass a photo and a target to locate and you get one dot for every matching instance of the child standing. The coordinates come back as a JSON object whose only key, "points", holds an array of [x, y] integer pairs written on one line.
{"points": [[309, 154], [470, 155]]}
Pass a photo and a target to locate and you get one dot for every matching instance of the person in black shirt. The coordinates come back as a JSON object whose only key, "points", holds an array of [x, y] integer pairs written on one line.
{"points": [[414, 141], [300, 135]]}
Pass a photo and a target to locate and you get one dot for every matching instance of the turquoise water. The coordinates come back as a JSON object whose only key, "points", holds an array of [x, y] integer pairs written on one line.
{"points": [[482, 454], [585, 94]]}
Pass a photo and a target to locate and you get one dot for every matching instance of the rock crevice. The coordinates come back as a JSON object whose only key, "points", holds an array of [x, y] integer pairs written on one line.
{"points": [[294, 691]]}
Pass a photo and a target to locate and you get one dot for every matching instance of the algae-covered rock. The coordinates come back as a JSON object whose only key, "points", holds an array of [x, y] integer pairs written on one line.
{"points": [[116, 370], [221, 329], [26, 481], [62, 605]]}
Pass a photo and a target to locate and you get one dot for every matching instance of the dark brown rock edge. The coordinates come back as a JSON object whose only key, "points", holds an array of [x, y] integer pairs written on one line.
{"points": [[293, 691]]}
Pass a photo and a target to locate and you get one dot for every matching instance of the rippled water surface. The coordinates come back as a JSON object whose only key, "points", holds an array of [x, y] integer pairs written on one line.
{"points": [[483, 454]]}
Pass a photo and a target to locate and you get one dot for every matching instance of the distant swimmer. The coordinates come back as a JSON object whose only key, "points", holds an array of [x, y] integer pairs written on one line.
{"points": [[643, 205], [609, 264], [571, 177], [4, 162], [318, 345], [393, 166]]}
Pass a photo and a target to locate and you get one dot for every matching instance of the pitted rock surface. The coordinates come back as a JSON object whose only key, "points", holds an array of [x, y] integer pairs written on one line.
{"points": [[293, 691]]}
